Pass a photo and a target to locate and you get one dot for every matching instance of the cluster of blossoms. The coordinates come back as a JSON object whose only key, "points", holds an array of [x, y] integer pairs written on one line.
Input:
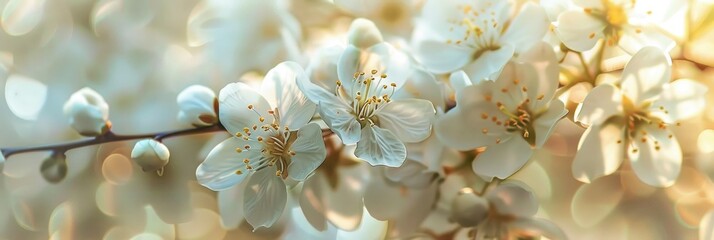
{"points": [[426, 114]]}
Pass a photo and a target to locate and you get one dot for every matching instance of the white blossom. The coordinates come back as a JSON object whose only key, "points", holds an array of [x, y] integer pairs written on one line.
{"points": [[272, 141], [360, 108], [87, 112], [150, 155], [633, 120], [197, 106]]}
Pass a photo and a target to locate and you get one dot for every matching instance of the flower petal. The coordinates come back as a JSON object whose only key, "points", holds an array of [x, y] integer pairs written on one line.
{"points": [[312, 203], [503, 159], [453, 128], [635, 38], [341, 119], [541, 78], [545, 123], [658, 160], [645, 74], [603, 102], [409, 119], [233, 102], [382, 57], [511, 198], [680, 100], [527, 28], [265, 197], [309, 152], [599, 153], [322, 70], [437, 55], [231, 213], [380, 147], [578, 30], [218, 171], [281, 90], [706, 226], [489, 63]]}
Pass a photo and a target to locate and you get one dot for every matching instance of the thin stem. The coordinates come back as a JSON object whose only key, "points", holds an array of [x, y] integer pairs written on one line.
{"points": [[586, 68], [110, 137]]}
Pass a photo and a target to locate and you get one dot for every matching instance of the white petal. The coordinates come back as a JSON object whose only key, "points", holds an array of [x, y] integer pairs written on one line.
{"points": [[22, 16], [312, 203], [341, 119], [437, 55], [545, 123], [575, 28], [512, 198], [455, 128], [422, 85], [527, 28], [681, 99], [380, 147], [537, 227], [706, 226], [645, 74], [658, 160], [309, 152], [599, 154], [25, 96], [459, 80], [554, 7], [634, 39], [229, 206], [409, 119], [233, 102], [264, 198], [281, 90], [382, 57], [322, 70], [196, 105], [503, 159], [488, 63], [595, 4], [540, 73], [603, 102], [218, 171], [363, 33]]}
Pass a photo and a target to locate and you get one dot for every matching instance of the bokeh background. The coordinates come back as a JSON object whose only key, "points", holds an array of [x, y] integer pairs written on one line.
{"points": [[140, 54]]}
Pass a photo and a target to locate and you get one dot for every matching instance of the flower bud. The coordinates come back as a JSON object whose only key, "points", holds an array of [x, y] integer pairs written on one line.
{"points": [[469, 209], [54, 168], [88, 113], [197, 106], [150, 154], [363, 33]]}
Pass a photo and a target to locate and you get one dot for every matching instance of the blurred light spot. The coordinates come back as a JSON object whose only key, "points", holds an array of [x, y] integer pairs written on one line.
{"points": [[61, 224], [117, 169], [21, 16], [24, 215], [25, 96], [595, 201], [633, 185], [537, 179], [106, 198], [690, 181], [146, 236], [205, 224], [155, 226], [705, 142], [690, 210]]}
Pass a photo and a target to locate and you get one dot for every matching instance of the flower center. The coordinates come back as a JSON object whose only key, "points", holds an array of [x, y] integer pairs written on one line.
{"points": [[517, 120], [370, 93], [273, 142], [481, 29], [636, 118]]}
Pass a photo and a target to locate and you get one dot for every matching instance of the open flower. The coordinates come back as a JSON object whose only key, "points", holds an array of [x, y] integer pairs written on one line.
{"points": [[360, 108], [272, 142], [628, 24], [475, 36], [504, 212], [634, 121], [510, 117]]}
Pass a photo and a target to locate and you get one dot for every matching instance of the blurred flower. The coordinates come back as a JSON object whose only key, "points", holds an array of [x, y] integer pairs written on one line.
{"points": [[706, 226], [628, 24], [636, 118], [514, 114], [150, 155], [54, 168], [272, 141], [394, 17], [477, 37], [198, 105], [504, 212], [88, 113], [360, 108]]}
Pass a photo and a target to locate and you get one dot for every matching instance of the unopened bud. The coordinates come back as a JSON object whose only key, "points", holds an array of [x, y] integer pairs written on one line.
{"points": [[363, 33], [197, 106], [469, 209], [88, 113], [54, 168], [150, 154]]}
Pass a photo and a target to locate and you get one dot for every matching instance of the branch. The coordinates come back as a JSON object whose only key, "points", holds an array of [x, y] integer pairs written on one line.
{"points": [[110, 137]]}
